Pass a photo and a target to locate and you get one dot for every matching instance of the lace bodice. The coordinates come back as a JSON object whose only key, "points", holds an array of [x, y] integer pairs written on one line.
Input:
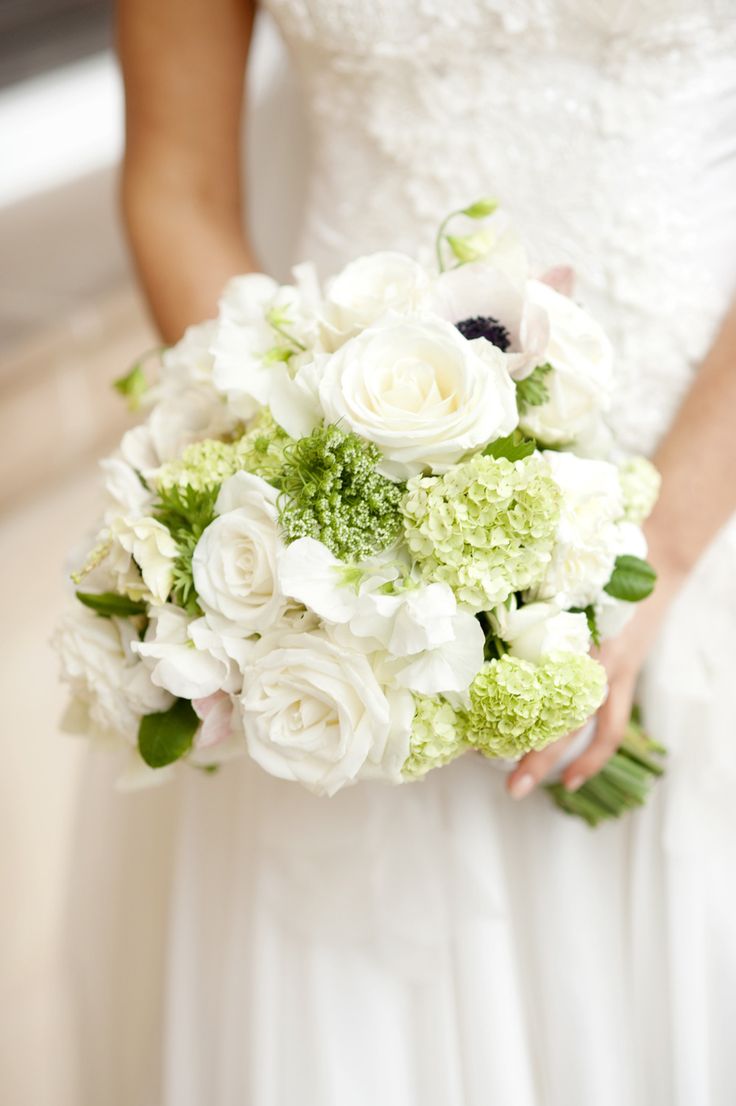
{"points": [[607, 128]]}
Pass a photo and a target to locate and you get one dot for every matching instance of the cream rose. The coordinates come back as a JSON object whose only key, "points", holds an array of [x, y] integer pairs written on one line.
{"points": [[234, 562], [366, 289], [581, 382], [314, 712], [419, 390]]}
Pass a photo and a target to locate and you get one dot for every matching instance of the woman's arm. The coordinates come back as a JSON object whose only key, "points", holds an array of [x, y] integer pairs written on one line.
{"points": [[183, 64], [697, 460]]}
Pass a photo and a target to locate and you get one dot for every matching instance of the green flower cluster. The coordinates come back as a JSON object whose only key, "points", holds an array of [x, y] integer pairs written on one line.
{"points": [[640, 483], [437, 736], [332, 492], [517, 706], [486, 528], [207, 463]]}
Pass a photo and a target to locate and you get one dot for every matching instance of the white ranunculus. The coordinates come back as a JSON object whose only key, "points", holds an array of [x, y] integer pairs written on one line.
{"points": [[142, 557], [587, 541], [110, 683], [185, 656], [420, 391], [581, 383], [234, 562], [313, 712], [246, 335], [480, 293], [366, 289], [538, 629], [613, 614]]}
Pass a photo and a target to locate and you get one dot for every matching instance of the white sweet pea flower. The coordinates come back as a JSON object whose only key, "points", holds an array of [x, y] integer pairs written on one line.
{"points": [[234, 562], [185, 656], [581, 383], [420, 391], [366, 289], [142, 557], [538, 629], [483, 301], [189, 361], [311, 574], [259, 320], [314, 712], [126, 493], [186, 416], [445, 666], [587, 541], [111, 685]]}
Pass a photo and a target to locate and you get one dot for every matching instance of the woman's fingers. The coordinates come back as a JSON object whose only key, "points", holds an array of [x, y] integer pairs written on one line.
{"points": [[533, 767], [611, 723]]}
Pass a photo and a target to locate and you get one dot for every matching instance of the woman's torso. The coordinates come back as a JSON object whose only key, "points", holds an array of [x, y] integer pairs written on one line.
{"points": [[606, 128]]}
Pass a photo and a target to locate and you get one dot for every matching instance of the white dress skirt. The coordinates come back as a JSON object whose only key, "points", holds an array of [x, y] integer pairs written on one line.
{"points": [[235, 941]]}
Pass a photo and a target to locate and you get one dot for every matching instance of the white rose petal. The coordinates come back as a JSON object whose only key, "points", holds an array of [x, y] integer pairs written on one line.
{"points": [[420, 391], [234, 562]]}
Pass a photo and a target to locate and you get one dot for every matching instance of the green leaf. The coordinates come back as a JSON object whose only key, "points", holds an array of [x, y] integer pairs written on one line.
{"points": [[166, 736], [632, 579], [481, 209], [533, 391], [109, 604], [592, 621], [514, 447]]}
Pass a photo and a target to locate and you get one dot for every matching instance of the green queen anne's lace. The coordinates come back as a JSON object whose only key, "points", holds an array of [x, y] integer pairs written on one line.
{"points": [[517, 706], [437, 736], [333, 492], [486, 528]]}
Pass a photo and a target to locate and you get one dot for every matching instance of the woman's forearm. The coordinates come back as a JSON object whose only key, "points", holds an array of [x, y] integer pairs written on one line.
{"points": [[697, 460], [185, 250]]}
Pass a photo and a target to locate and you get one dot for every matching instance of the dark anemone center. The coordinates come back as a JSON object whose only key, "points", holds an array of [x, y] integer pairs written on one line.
{"points": [[485, 326]]}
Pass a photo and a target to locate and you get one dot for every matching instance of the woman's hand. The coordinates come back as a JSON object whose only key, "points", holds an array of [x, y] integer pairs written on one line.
{"points": [[623, 658]]}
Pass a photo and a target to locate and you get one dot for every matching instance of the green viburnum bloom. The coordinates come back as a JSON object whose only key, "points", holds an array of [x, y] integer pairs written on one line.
{"points": [[486, 528], [517, 706], [208, 463], [437, 736], [333, 492], [640, 483]]}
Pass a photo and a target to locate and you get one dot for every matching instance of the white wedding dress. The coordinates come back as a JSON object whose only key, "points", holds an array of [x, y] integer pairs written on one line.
{"points": [[247, 944]]}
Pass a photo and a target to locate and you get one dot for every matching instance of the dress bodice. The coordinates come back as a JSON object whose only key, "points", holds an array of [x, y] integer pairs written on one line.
{"points": [[606, 128]]}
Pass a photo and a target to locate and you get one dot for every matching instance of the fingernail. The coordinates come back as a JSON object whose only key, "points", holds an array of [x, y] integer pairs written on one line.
{"points": [[574, 783], [521, 786]]}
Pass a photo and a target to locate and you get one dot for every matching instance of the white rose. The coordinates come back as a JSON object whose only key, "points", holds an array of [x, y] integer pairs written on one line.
{"points": [[587, 540], [112, 686], [420, 391], [186, 657], [315, 713], [252, 309], [537, 629], [366, 289], [234, 562], [581, 383], [142, 557]]}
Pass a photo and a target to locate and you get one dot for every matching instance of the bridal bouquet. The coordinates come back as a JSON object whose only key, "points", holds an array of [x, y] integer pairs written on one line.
{"points": [[367, 529]]}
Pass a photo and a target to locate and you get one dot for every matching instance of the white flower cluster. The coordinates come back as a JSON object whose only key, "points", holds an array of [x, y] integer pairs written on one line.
{"points": [[452, 426]]}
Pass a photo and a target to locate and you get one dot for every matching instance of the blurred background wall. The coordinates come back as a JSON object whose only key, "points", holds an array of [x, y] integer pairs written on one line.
{"points": [[71, 321]]}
